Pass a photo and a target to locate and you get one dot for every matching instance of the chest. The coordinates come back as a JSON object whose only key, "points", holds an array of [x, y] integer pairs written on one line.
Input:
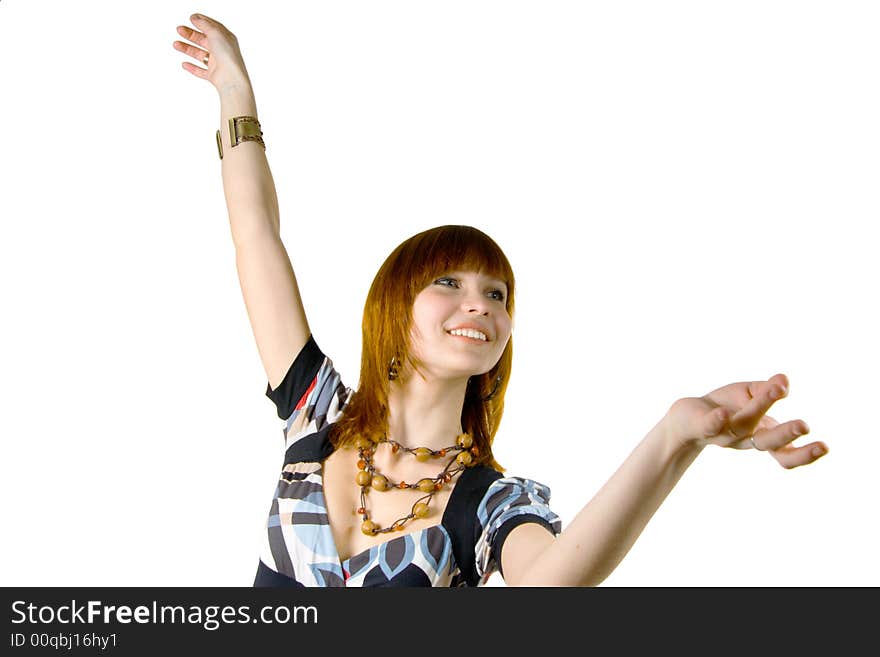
{"points": [[342, 496]]}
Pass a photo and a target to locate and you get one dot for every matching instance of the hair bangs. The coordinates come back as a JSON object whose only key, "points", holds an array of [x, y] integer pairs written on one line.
{"points": [[457, 248]]}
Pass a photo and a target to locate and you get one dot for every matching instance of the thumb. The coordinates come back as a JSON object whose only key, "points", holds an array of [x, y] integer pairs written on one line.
{"points": [[713, 422]]}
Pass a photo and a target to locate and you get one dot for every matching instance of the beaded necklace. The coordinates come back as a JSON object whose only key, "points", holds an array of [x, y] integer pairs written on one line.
{"points": [[368, 476]]}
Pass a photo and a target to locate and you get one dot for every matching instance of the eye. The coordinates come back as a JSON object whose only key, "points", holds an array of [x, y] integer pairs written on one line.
{"points": [[441, 281], [498, 295]]}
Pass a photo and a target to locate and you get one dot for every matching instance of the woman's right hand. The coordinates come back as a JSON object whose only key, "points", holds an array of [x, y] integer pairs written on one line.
{"points": [[225, 67]]}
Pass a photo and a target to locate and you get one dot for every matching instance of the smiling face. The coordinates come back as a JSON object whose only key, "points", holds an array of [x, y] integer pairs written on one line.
{"points": [[473, 306]]}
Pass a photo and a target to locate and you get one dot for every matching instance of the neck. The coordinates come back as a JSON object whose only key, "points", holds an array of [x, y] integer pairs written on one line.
{"points": [[425, 413]]}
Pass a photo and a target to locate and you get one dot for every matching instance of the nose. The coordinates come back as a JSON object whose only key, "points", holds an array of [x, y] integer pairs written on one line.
{"points": [[475, 303]]}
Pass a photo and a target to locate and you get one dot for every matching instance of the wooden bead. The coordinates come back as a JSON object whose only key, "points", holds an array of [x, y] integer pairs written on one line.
{"points": [[364, 478], [403, 484], [369, 528], [420, 510], [464, 440], [475, 450], [362, 464], [426, 485], [380, 482], [394, 448], [442, 452], [361, 511], [422, 454], [464, 458]]}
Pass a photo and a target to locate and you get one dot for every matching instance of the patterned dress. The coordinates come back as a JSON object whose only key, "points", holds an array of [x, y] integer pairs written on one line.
{"points": [[299, 549]]}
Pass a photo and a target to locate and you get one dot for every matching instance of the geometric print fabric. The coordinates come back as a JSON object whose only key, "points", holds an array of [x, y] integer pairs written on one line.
{"points": [[298, 547]]}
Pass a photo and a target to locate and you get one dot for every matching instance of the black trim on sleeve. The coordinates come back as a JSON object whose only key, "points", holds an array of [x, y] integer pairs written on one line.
{"points": [[301, 373], [460, 517], [311, 449], [509, 526]]}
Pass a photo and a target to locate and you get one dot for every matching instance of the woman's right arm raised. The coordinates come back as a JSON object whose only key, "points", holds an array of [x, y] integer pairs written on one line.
{"points": [[268, 284]]}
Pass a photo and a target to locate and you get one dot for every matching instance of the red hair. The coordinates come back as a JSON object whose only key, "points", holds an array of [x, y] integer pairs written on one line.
{"points": [[411, 267]]}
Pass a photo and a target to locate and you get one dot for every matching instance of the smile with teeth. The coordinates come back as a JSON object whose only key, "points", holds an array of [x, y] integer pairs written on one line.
{"points": [[469, 333]]}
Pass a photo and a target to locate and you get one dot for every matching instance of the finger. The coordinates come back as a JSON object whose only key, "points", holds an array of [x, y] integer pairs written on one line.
{"points": [[713, 422], [793, 457], [205, 22], [193, 35], [755, 387], [764, 394], [192, 51], [766, 422], [196, 70], [780, 435]]}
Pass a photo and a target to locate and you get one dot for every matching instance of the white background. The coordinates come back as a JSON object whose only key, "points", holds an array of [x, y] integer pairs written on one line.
{"points": [[687, 192]]}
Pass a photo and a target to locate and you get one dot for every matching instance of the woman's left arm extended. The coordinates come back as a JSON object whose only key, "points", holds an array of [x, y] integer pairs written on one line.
{"points": [[602, 533]]}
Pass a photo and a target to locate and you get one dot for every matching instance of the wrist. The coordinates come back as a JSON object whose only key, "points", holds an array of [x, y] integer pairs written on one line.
{"points": [[237, 99], [676, 438]]}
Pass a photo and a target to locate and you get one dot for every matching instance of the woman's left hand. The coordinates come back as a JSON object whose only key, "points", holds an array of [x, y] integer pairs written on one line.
{"points": [[735, 416]]}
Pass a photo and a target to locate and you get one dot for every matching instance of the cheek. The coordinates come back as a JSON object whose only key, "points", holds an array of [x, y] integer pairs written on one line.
{"points": [[424, 322], [432, 309], [505, 328]]}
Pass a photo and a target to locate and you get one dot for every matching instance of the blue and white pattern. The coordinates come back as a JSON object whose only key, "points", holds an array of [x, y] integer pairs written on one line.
{"points": [[321, 404], [299, 548], [506, 500]]}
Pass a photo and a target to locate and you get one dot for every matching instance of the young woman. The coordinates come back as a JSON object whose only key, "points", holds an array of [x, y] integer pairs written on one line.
{"points": [[395, 483]]}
